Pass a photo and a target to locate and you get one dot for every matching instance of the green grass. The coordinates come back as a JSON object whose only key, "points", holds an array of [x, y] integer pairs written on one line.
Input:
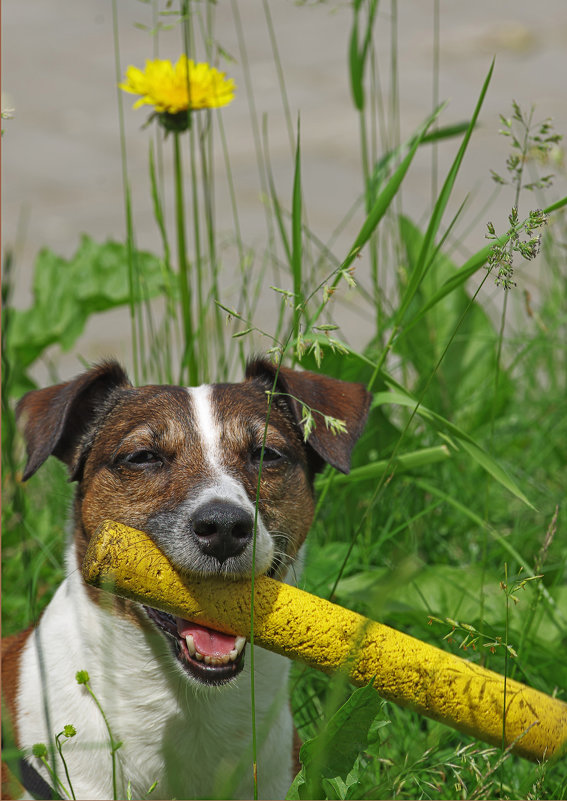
{"points": [[458, 481]]}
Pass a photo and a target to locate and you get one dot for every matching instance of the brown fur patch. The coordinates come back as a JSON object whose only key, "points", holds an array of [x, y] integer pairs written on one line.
{"points": [[151, 418], [12, 647]]}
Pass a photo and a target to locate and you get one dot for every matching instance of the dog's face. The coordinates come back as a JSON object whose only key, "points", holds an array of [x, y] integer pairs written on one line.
{"points": [[183, 466], [187, 466]]}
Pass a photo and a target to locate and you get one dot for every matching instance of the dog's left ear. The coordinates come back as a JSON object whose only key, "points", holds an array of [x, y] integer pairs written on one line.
{"points": [[344, 400]]}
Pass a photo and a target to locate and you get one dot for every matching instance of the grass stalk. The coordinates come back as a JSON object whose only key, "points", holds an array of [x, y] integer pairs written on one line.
{"points": [[188, 362], [134, 298], [279, 72], [260, 162], [170, 307], [506, 643], [435, 98], [296, 242]]}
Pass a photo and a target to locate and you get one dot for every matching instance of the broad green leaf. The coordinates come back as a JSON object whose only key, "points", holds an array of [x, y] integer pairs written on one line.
{"points": [[68, 291], [439, 590], [334, 751], [555, 613]]}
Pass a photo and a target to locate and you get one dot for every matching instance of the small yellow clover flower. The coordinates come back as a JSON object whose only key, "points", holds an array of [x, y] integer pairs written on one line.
{"points": [[175, 89]]}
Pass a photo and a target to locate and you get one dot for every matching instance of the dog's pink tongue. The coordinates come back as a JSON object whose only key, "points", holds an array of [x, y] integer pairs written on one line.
{"points": [[207, 641]]}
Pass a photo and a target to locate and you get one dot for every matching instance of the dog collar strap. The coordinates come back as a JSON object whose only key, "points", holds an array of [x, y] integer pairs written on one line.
{"points": [[34, 783]]}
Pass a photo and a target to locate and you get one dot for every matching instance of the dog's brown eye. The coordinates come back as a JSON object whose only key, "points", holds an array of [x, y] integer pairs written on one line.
{"points": [[271, 456], [141, 458]]}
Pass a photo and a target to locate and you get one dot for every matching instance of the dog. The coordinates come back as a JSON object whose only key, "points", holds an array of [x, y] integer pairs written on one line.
{"points": [[181, 464]]}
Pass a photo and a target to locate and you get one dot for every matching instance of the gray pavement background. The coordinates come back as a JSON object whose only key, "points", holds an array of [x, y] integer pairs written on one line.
{"points": [[61, 167]]}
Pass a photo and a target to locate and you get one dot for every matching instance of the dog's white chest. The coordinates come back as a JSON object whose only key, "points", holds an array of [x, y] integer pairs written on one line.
{"points": [[191, 741]]}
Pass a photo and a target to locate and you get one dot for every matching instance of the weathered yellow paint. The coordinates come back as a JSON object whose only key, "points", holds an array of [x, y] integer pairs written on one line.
{"points": [[328, 637]]}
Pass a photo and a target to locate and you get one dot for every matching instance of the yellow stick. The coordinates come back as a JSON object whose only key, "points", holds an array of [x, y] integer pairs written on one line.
{"points": [[326, 636]]}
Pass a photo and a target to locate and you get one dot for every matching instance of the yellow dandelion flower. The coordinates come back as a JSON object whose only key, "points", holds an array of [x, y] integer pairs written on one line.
{"points": [[175, 88]]}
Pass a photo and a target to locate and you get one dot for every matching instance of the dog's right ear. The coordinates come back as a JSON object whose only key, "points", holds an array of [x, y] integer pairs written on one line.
{"points": [[54, 419]]}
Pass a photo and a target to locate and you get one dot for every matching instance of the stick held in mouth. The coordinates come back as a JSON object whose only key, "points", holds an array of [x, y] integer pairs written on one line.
{"points": [[292, 622]]}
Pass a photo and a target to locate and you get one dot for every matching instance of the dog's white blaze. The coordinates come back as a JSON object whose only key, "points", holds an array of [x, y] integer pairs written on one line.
{"points": [[206, 425], [223, 484]]}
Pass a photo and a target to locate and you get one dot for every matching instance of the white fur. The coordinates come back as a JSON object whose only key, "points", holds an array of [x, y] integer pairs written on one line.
{"points": [[224, 486], [194, 741], [207, 426]]}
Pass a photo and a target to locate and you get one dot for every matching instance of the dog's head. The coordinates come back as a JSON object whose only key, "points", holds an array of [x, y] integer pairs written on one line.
{"points": [[183, 465]]}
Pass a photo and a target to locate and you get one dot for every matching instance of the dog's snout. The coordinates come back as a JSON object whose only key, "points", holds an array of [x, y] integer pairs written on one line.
{"points": [[223, 529]]}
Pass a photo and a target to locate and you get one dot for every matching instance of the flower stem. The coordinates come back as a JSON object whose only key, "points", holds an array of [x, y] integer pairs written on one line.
{"points": [[114, 744], [188, 361], [55, 779], [133, 294], [59, 747]]}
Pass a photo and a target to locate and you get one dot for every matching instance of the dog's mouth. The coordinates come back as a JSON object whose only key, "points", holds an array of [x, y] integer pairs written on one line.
{"points": [[208, 656]]}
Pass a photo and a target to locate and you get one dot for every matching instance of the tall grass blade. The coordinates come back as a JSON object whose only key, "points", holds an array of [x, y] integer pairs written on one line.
{"points": [[381, 205], [358, 55], [167, 271], [188, 361], [384, 163], [404, 462], [384, 199], [424, 260], [446, 132], [296, 240], [279, 71], [132, 273], [274, 197]]}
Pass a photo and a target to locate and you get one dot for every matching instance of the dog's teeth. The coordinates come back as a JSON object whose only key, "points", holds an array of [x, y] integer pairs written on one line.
{"points": [[215, 661], [239, 644]]}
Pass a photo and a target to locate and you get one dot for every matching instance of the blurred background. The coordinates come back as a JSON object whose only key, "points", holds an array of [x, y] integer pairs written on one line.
{"points": [[61, 159]]}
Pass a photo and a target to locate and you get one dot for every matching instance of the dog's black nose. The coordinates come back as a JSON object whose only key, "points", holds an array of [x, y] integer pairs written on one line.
{"points": [[222, 528]]}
